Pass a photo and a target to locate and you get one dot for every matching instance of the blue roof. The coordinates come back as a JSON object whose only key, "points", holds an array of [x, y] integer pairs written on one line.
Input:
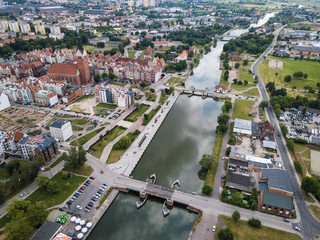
{"points": [[263, 186], [58, 123]]}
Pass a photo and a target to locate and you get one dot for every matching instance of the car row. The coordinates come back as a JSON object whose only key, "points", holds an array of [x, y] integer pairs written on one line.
{"points": [[95, 197], [79, 192]]}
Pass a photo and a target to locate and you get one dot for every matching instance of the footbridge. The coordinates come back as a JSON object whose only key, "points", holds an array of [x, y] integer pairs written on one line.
{"points": [[192, 201], [203, 93]]}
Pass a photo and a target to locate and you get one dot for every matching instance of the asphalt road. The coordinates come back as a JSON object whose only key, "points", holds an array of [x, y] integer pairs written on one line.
{"points": [[308, 224]]}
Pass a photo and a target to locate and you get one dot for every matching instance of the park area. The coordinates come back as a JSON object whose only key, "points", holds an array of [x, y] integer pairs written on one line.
{"points": [[243, 231], [269, 74], [99, 146], [242, 108], [86, 138], [118, 150], [139, 111]]}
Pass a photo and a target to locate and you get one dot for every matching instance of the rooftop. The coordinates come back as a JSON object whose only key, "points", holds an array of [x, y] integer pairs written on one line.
{"points": [[47, 231], [58, 123], [277, 200], [277, 179]]}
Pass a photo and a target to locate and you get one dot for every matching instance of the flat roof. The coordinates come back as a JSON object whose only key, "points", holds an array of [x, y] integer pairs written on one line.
{"points": [[47, 231]]}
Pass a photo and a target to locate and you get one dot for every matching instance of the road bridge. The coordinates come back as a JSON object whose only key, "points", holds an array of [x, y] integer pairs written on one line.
{"points": [[192, 201]]}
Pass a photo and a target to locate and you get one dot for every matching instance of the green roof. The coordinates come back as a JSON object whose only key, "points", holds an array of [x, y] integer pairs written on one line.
{"points": [[277, 200]]}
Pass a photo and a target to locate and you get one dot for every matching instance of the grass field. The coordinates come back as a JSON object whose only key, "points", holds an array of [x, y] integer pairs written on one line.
{"points": [[115, 154], [65, 191], [315, 210], [109, 137], [252, 92], [131, 53], [242, 108], [103, 198], [100, 111], [150, 115], [85, 170], [293, 93], [306, 154], [137, 113], [216, 153], [242, 231], [86, 137], [290, 67], [241, 87], [84, 98], [175, 80], [163, 98], [106, 105], [245, 75], [152, 97]]}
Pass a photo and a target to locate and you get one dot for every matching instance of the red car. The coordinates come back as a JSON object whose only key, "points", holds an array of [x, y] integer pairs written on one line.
{"points": [[82, 188], [101, 171]]}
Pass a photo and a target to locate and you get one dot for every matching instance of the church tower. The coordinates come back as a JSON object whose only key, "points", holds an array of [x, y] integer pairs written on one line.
{"points": [[82, 63]]}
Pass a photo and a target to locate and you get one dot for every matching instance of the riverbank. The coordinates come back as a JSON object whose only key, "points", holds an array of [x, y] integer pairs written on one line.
{"points": [[133, 154]]}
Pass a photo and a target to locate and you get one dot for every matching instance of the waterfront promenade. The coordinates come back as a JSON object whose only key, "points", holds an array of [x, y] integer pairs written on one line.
{"points": [[131, 157]]}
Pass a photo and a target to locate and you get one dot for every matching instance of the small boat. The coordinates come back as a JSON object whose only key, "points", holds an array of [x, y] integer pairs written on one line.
{"points": [[165, 210], [141, 203], [175, 184]]}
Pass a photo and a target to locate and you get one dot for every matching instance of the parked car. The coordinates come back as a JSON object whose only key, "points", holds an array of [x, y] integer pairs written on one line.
{"points": [[297, 228], [285, 220], [22, 194]]}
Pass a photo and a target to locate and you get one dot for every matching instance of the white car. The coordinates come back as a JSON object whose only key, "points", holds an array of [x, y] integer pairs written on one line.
{"points": [[79, 207], [22, 194], [213, 228], [297, 228]]}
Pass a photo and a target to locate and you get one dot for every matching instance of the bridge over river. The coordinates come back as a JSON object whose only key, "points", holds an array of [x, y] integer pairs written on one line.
{"points": [[192, 201]]}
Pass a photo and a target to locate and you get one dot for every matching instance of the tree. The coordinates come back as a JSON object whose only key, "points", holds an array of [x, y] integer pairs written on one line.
{"points": [[310, 185], [305, 75], [42, 181], [123, 143], [239, 82], [35, 167], [112, 75], [298, 74], [236, 215], [76, 159], [206, 161], [226, 106], [97, 78], [290, 144], [100, 45], [223, 128], [235, 81], [298, 166], [225, 234], [277, 112], [284, 129], [146, 117], [207, 190], [245, 62], [104, 75], [223, 118], [288, 78], [53, 187], [13, 165], [237, 65], [264, 104], [143, 84], [245, 82], [254, 222]]}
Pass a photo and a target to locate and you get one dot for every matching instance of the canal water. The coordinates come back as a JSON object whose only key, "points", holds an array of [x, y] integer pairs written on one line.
{"points": [[187, 133]]}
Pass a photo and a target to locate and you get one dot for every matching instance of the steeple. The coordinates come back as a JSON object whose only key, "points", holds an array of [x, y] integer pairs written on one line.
{"points": [[81, 52]]}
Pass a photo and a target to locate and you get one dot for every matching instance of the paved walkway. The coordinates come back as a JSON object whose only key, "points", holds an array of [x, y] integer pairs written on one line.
{"points": [[131, 157]]}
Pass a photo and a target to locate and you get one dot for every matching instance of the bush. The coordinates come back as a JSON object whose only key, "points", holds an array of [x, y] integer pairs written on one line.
{"points": [[228, 151], [207, 190], [298, 166], [299, 140], [226, 234], [236, 215], [254, 223], [233, 140]]}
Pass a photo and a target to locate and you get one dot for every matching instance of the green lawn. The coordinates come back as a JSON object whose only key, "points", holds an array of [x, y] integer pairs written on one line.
{"points": [[106, 105], [152, 97], [252, 92], [242, 231], [131, 53], [85, 170], [56, 162], [84, 98], [100, 111], [241, 87], [65, 192], [293, 93], [80, 121], [315, 210], [86, 138], [137, 113], [306, 154], [245, 75], [118, 84], [109, 137], [242, 108], [115, 154], [150, 115], [163, 98], [211, 174], [299, 147], [4, 173], [175, 80], [104, 197], [290, 67]]}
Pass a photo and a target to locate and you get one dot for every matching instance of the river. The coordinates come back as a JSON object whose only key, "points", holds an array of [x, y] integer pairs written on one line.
{"points": [[187, 133]]}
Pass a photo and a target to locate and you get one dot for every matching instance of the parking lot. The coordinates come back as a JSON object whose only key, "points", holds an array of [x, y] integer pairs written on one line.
{"points": [[82, 203]]}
